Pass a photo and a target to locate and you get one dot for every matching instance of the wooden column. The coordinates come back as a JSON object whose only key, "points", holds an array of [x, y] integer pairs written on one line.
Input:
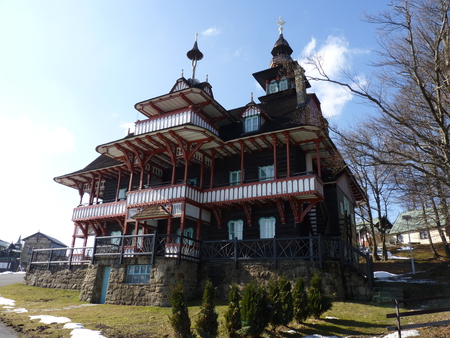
{"points": [[98, 188], [275, 166], [242, 162], [119, 181], [318, 159], [288, 154], [202, 171], [91, 193], [213, 160]]}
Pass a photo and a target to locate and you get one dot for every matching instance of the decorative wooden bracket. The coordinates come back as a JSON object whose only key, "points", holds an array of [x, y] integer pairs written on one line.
{"points": [[248, 212], [281, 210], [218, 215], [299, 212]]}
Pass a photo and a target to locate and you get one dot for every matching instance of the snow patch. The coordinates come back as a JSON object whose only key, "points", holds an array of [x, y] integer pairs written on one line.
{"points": [[409, 333], [6, 301], [50, 319]]}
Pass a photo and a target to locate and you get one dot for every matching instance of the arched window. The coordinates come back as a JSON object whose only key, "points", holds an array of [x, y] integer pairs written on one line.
{"points": [[283, 85], [235, 229], [267, 227], [273, 87]]}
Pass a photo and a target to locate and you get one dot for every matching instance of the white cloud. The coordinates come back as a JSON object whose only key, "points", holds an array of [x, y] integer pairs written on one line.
{"points": [[211, 32], [128, 127], [336, 56]]}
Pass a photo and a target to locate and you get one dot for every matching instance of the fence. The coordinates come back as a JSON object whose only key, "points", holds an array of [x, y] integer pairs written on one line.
{"points": [[314, 248], [398, 315]]}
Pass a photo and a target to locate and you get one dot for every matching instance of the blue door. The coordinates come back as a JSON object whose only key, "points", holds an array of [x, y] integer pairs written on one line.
{"points": [[105, 282]]}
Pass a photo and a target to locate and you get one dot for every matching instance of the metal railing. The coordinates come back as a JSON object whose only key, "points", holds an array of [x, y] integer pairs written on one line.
{"points": [[313, 248]]}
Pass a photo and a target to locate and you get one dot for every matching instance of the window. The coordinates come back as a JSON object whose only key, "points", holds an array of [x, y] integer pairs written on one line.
{"points": [[122, 194], [266, 173], [251, 123], [138, 274], [115, 241], [273, 87], [188, 232], [235, 177], [267, 227], [283, 84], [192, 181], [235, 229], [423, 234]]}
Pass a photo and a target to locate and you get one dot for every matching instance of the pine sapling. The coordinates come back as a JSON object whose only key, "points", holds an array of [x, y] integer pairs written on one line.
{"points": [[180, 321], [301, 309], [233, 314], [207, 324]]}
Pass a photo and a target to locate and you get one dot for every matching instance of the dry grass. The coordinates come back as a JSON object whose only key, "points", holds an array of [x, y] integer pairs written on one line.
{"points": [[353, 319]]}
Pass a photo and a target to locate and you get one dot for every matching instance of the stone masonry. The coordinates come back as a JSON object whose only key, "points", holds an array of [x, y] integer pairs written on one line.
{"points": [[341, 283]]}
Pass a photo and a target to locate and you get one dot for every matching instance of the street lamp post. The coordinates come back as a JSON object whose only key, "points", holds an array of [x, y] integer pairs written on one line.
{"points": [[407, 218]]}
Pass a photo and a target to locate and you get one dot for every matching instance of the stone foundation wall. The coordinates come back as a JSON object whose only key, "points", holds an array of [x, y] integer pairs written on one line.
{"points": [[345, 284], [58, 277]]}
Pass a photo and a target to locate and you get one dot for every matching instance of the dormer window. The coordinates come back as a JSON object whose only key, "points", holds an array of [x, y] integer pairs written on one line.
{"points": [[253, 118], [251, 123], [273, 87]]}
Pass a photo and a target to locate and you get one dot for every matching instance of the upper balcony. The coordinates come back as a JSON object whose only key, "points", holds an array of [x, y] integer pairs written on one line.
{"points": [[174, 119]]}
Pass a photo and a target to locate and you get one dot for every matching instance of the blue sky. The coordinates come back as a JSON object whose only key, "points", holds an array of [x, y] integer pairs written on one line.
{"points": [[71, 72]]}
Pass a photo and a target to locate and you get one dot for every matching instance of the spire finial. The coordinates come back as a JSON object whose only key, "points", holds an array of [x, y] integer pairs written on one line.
{"points": [[195, 55], [280, 23]]}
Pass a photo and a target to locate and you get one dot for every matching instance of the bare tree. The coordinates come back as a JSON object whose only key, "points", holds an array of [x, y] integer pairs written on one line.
{"points": [[410, 91]]}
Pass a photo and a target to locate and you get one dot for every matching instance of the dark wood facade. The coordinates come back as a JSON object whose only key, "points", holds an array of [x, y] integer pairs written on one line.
{"points": [[192, 167]]}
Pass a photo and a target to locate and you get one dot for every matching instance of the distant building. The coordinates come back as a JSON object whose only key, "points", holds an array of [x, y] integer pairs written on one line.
{"points": [[38, 241], [10, 255], [418, 225], [364, 235]]}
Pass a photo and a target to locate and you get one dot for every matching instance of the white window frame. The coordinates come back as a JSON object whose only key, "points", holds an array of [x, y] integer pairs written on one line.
{"points": [[235, 229], [267, 227], [263, 173], [251, 123], [235, 177], [188, 232]]}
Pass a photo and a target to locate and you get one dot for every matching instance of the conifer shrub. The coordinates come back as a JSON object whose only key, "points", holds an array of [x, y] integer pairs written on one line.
{"points": [[207, 324], [317, 301], [274, 296], [233, 314], [300, 300], [180, 321], [255, 311], [287, 300]]}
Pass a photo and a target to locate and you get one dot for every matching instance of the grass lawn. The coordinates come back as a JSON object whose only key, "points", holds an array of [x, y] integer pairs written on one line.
{"points": [[345, 319]]}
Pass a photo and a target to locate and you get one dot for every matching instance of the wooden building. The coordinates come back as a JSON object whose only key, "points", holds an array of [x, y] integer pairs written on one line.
{"points": [[192, 167], [195, 179]]}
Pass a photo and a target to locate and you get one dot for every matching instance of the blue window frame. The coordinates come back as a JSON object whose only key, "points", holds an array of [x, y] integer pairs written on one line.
{"points": [[235, 229], [235, 177], [267, 227], [266, 173], [138, 274]]}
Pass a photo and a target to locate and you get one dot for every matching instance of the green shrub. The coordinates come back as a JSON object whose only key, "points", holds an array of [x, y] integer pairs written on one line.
{"points": [[317, 301], [180, 321], [233, 314], [280, 298], [207, 324], [255, 311], [286, 300], [301, 309]]}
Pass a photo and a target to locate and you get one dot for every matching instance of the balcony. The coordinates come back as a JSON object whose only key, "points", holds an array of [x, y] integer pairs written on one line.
{"points": [[306, 186], [172, 120], [104, 210]]}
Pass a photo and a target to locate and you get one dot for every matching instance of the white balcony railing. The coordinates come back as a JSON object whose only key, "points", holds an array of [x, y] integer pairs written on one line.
{"points": [[99, 210], [304, 185], [172, 120]]}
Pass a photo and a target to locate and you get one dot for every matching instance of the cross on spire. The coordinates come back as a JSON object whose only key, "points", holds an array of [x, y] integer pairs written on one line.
{"points": [[280, 23]]}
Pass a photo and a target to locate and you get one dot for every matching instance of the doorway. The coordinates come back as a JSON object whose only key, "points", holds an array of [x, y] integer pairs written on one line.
{"points": [[105, 282]]}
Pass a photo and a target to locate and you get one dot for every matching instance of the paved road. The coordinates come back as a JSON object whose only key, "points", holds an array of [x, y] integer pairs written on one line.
{"points": [[6, 279]]}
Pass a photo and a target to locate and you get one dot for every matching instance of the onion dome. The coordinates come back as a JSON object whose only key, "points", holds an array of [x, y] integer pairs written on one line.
{"points": [[281, 51]]}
